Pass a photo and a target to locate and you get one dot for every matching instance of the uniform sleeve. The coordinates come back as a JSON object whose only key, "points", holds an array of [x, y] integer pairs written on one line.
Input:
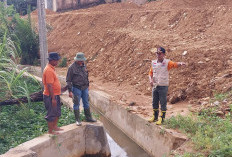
{"points": [[49, 77], [151, 72], [172, 64], [69, 78]]}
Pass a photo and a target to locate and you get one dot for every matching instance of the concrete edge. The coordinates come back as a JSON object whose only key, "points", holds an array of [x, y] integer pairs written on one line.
{"points": [[71, 142], [155, 140]]}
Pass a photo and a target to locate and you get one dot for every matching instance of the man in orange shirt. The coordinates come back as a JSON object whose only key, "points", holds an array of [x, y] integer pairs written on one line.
{"points": [[159, 80], [51, 94]]}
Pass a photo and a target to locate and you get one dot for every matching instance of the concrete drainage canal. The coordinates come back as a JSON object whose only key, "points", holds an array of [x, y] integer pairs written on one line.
{"points": [[120, 144], [128, 135], [84, 141]]}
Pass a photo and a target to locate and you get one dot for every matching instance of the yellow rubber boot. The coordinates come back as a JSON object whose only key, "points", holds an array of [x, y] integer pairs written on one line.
{"points": [[161, 118], [154, 116], [152, 119]]}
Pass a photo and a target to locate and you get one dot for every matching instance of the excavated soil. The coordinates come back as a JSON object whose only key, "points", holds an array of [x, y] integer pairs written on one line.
{"points": [[119, 40]]}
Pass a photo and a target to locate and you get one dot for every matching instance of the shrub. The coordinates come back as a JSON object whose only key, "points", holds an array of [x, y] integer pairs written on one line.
{"points": [[20, 33], [63, 62], [29, 41]]}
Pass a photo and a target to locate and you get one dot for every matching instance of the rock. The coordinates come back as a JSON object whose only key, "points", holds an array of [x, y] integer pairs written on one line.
{"points": [[177, 96], [153, 50], [174, 99], [132, 104], [206, 99], [216, 103], [207, 59], [193, 110], [200, 62], [191, 101], [225, 101], [203, 103], [184, 53], [219, 113], [227, 76], [102, 49], [146, 60]]}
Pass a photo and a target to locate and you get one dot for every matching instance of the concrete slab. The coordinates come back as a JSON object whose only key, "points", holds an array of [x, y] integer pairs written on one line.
{"points": [[73, 141]]}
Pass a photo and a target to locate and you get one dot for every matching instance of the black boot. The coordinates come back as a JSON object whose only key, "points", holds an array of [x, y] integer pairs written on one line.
{"points": [[156, 114], [77, 117], [88, 115]]}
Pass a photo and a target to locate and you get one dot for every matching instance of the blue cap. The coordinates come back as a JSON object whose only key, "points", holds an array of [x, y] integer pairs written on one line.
{"points": [[53, 56], [161, 49]]}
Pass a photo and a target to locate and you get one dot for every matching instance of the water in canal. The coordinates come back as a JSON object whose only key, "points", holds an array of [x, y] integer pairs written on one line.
{"points": [[120, 144]]}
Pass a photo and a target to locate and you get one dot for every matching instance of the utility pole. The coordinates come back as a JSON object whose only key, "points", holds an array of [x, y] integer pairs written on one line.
{"points": [[42, 34]]}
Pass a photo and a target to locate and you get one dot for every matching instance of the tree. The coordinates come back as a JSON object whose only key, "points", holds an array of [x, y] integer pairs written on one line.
{"points": [[22, 5]]}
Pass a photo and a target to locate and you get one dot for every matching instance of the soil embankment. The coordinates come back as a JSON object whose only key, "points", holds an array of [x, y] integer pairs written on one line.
{"points": [[119, 39]]}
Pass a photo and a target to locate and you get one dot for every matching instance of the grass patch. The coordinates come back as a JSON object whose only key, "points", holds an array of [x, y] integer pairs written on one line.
{"points": [[211, 134], [22, 123], [190, 155]]}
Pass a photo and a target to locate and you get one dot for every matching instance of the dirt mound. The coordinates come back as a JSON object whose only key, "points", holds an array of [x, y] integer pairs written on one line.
{"points": [[177, 4], [118, 40]]}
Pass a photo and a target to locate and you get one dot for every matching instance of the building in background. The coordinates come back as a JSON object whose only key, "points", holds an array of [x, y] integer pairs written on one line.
{"points": [[60, 5]]}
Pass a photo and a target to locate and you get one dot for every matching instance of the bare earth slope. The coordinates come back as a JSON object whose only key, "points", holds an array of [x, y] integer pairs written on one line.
{"points": [[118, 40]]}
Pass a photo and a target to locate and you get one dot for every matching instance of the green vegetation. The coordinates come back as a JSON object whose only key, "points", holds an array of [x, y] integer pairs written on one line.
{"points": [[190, 155], [29, 40], [63, 62], [22, 123], [19, 123], [21, 6], [20, 33], [210, 134]]}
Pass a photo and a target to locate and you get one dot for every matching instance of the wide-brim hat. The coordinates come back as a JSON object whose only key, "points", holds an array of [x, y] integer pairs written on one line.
{"points": [[53, 56], [80, 57]]}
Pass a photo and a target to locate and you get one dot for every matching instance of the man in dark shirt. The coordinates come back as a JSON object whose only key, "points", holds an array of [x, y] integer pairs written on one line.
{"points": [[78, 83]]}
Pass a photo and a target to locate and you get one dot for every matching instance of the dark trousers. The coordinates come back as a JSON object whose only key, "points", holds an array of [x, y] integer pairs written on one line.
{"points": [[159, 95], [52, 112]]}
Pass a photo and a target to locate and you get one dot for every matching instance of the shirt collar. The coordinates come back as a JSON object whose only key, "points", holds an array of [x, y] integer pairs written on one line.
{"points": [[79, 64], [51, 66], [159, 61]]}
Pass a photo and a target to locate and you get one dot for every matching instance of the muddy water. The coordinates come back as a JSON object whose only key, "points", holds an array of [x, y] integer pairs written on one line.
{"points": [[120, 144]]}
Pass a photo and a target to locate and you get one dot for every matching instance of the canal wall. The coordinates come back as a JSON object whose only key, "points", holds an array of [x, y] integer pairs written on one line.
{"points": [[73, 141], [155, 140]]}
